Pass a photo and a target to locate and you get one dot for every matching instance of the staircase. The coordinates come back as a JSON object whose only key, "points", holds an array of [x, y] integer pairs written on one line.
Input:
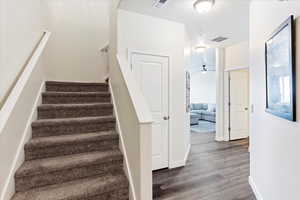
{"points": [[73, 153]]}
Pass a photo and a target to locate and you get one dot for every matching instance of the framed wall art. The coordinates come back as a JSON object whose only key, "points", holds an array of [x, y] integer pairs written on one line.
{"points": [[281, 72]]}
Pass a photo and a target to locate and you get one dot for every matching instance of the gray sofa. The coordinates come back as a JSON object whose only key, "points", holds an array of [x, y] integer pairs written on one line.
{"points": [[204, 111]]}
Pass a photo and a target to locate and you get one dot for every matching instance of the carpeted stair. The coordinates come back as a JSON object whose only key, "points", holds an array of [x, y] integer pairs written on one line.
{"points": [[74, 151]]}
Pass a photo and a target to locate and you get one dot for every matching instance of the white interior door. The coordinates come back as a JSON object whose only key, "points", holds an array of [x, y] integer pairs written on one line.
{"points": [[151, 73], [239, 104]]}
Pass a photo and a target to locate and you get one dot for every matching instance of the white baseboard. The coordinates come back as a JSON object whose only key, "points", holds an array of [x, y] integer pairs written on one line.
{"points": [[219, 139], [255, 189], [9, 185], [176, 164], [180, 163], [132, 195]]}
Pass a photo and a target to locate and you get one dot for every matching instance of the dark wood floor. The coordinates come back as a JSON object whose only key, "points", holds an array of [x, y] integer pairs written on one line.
{"points": [[214, 171]]}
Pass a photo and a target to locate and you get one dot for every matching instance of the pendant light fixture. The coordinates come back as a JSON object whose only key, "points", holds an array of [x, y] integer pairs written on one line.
{"points": [[204, 6]]}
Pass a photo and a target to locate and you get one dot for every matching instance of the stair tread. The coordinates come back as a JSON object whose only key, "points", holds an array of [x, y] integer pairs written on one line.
{"points": [[43, 142], [52, 93], [79, 189], [57, 106], [42, 122], [46, 165], [75, 83]]}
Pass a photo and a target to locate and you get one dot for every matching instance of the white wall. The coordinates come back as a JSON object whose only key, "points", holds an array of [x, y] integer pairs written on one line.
{"points": [[203, 87], [275, 161], [80, 29], [15, 120], [163, 37], [21, 25], [237, 55]]}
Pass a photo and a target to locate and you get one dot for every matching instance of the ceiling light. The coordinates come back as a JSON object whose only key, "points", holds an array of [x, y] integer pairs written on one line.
{"points": [[200, 49], [159, 3], [204, 6]]}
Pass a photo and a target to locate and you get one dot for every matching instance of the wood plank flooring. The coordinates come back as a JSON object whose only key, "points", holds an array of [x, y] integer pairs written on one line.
{"points": [[214, 171]]}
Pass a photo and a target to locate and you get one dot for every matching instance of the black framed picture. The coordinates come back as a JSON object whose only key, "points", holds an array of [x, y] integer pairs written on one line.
{"points": [[280, 72]]}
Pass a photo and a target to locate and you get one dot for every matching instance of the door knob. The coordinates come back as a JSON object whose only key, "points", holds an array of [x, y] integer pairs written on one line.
{"points": [[246, 108], [166, 118]]}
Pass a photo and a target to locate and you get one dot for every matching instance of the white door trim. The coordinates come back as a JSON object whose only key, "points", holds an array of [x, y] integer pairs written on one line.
{"points": [[129, 57], [149, 53], [220, 65]]}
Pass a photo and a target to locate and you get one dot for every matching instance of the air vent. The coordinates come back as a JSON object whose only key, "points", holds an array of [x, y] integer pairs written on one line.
{"points": [[219, 39], [159, 3]]}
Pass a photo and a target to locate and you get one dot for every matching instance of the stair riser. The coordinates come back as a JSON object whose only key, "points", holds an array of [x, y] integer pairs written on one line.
{"points": [[76, 88], [58, 177], [75, 100], [62, 150], [74, 112], [115, 191], [69, 129]]}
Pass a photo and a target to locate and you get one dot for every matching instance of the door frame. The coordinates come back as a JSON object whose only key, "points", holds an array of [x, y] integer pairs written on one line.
{"points": [[129, 57], [227, 106]]}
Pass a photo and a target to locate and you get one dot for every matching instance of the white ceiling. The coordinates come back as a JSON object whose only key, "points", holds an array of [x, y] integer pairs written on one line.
{"points": [[229, 18]]}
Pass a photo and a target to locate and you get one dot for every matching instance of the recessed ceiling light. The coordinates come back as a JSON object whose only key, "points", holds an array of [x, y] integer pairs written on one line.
{"points": [[204, 6]]}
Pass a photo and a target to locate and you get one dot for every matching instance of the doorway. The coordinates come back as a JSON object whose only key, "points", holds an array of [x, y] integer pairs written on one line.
{"points": [[203, 90], [152, 75]]}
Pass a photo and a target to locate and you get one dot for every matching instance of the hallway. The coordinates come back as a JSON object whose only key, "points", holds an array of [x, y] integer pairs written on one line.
{"points": [[214, 171]]}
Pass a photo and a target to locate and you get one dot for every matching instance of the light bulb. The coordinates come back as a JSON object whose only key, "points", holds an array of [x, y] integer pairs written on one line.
{"points": [[203, 6]]}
